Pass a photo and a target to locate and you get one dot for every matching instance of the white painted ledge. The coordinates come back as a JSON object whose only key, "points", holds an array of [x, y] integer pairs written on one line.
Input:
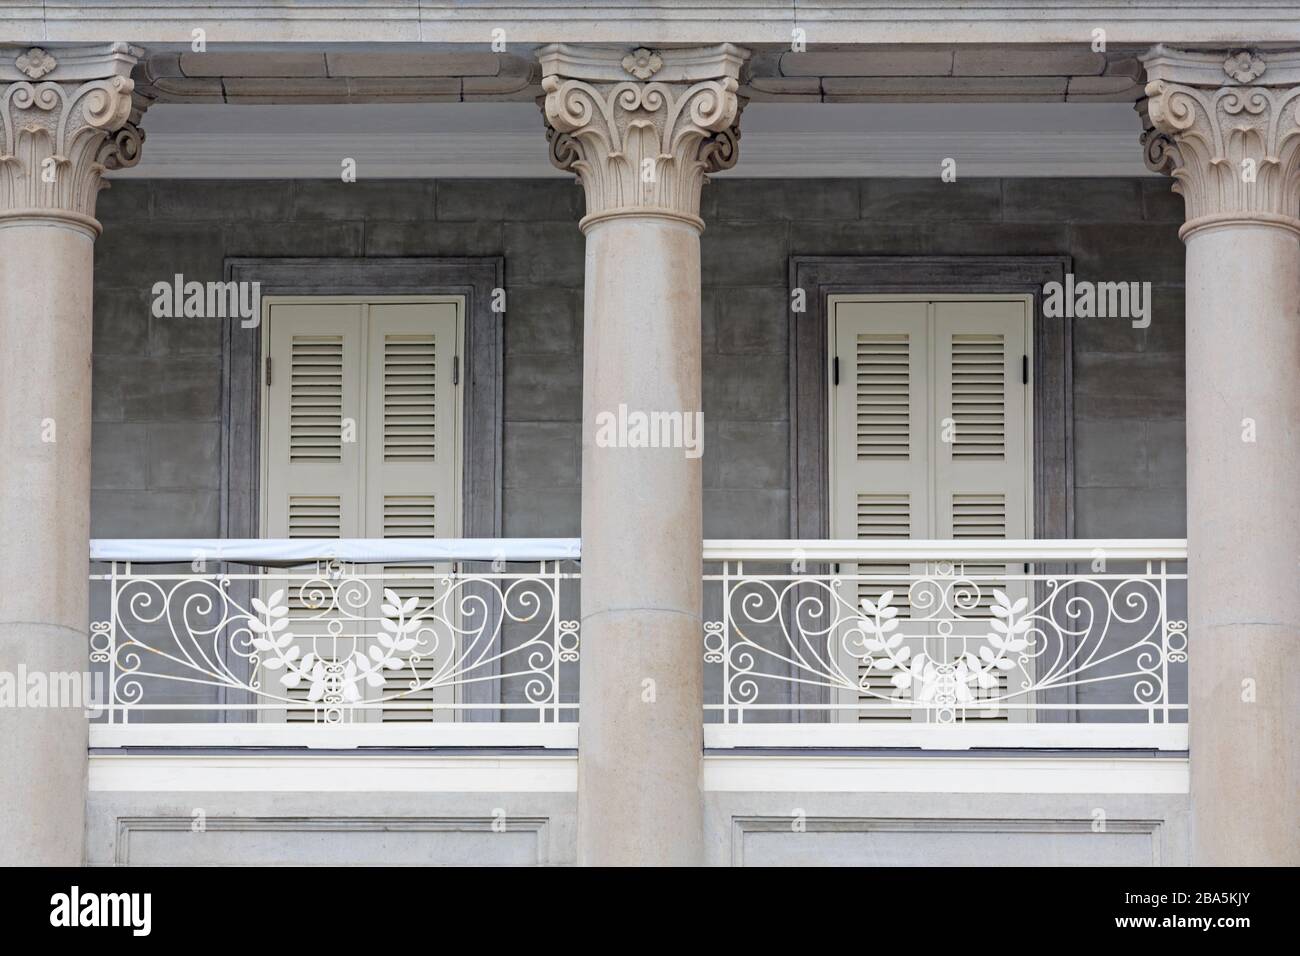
{"points": [[298, 773], [564, 736]]}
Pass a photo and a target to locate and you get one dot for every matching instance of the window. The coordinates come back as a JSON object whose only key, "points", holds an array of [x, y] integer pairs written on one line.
{"points": [[361, 425], [930, 438]]}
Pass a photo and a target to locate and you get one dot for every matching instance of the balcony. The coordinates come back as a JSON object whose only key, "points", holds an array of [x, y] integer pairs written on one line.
{"points": [[947, 645], [936, 645], [326, 643]]}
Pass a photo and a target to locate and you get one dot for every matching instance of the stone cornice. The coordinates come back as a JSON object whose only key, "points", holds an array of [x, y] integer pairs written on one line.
{"points": [[1226, 126], [642, 128], [66, 117], [653, 22]]}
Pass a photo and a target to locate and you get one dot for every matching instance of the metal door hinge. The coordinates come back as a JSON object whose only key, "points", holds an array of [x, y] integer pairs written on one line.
{"points": [[835, 371], [455, 370], [1024, 370], [268, 371]]}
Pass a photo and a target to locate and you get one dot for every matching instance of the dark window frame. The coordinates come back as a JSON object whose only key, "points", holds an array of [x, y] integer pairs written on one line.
{"points": [[481, 369], [1052, 381]]}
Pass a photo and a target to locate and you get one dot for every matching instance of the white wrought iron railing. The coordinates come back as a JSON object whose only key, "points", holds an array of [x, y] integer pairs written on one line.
{"points": [[367, 643], [946, 644], [931, 644]]}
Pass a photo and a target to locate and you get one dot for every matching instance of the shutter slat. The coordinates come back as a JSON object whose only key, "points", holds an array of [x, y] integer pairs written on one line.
{"points": [[315, 398], [315, 516], [882, 393], [410, 384], [978, 389]]}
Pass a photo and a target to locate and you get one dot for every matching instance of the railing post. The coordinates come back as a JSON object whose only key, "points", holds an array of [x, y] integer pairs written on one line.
{"points": [[112, 649], [555, 639], [726, 637]]}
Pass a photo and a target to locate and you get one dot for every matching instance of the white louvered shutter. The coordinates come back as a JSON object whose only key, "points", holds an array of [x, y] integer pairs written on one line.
{"points": [[361, 424], [980, 474], [881, 460], [312, 476], [411, 462], [913, 374], [411, 421]]}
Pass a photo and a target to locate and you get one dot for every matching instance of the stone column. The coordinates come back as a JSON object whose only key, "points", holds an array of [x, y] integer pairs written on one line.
{"points": [[1225, 127], [65, 117], [641, 129]]}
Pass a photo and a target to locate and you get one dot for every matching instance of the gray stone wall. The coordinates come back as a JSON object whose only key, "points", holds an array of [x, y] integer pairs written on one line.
{"points": [[156, 458], [1128, 383]]}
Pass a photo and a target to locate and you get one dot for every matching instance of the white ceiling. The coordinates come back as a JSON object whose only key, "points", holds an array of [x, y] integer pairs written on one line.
{"points": [[507, 139]]}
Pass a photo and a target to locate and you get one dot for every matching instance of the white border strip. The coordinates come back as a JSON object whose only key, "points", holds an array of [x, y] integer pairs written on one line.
{"points": [[385, 550], [559, 736], [316, 773], [307, 773], [1064, 549], [307, 550], [946, 774]]}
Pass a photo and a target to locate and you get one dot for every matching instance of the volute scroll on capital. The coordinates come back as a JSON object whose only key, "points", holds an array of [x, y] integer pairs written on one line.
{"points": [[66, 118], [642, 129]]}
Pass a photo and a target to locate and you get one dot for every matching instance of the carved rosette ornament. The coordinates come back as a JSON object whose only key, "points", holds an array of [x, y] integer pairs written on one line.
{"points": [[1227, 129], [66, 117], [642, 147]]}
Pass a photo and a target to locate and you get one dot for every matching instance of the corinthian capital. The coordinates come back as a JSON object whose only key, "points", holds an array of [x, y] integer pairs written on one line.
{"points": [[1225, 126], [642, 128], [66, 116]]}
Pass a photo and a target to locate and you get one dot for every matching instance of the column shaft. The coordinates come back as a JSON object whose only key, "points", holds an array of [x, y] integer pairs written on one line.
{"points": [[45, 337], [1243, 538], [641, 733]]}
